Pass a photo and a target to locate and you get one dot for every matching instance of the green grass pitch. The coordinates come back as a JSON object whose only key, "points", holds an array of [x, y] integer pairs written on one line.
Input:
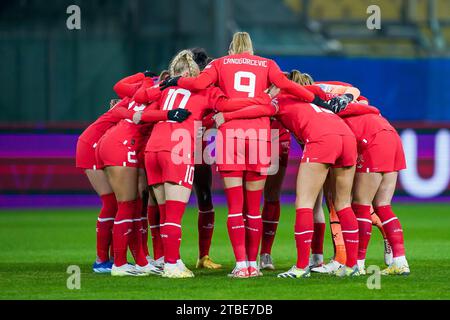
{"points": [[36, 247]]}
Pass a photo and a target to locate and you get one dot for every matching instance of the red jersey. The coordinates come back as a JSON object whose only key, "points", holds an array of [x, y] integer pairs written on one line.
{"points": [[125, 89], [366, 126], [96, 130], [307, 121], [245, 76], [128, 86], [126, 131], [199, 103]]}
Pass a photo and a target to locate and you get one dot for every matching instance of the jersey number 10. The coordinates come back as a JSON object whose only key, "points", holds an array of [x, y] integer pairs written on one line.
{"points": [[169, 104], [171, 97]]}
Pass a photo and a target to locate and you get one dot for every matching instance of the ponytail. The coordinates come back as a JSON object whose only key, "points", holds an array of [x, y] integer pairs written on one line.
{"points": [[184, 61], [242, 42]]}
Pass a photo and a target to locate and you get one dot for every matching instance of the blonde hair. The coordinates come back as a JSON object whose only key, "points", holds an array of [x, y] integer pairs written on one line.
{"points": [[242, 42], [184, 61], [301, 78]]}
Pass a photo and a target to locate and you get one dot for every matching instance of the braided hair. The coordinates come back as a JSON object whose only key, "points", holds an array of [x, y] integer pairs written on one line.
{"points": [[184, 61]]}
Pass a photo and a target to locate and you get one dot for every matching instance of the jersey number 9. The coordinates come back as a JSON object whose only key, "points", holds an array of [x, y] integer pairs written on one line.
{"points": [[248, 88]]}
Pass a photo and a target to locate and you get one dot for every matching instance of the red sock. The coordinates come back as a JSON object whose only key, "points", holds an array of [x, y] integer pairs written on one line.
{"points": [[123, 226], [135, 240], [205, 229], [105, 223], [155, 229], [303, 235], [254, 227], [144, 234], [235, 222], [362, 214], [270, 217], [172, 230], [350, 233], [393, 229], [317, 239]]}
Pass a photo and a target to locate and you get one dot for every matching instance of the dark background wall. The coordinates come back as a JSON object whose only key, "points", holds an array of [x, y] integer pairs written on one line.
{"points": [[50, 74]]}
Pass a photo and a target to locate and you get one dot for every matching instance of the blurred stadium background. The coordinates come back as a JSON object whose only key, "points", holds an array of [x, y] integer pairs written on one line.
{"points": [[56, 81]]}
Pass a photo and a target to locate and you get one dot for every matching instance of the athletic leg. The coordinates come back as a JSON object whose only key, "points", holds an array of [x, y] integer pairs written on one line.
{"points": [[235, 223], [206, 215], [271, 210], [254, 187], [310, 180], [124, 182], [105, 221], [342, 200], [391, 224], [177, 197], [364, 190], [319, 233]]}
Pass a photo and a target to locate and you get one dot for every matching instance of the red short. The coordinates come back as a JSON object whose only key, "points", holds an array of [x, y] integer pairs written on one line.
{"points": [[246, 175], [243, 155], [161, 168], [85, 156], [383, 154], [339, 151], [113, 153]]}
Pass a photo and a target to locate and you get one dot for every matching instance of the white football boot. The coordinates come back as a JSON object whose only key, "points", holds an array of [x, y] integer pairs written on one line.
{"points": [[329, 268], [295, 273], [149, 269], [361, 266], [125, 270]]}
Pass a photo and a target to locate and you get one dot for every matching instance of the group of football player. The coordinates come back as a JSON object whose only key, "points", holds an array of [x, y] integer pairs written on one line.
{"points": [[144, 155]]}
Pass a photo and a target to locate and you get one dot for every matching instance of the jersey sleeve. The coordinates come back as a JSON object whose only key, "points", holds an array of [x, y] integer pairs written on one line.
{"points": [[146, 94], [208, 120], [316, 90], [357, 109], [128, 86], [251, 112], [153, 113], [120, 111], [278, 78], [207, 77], [338, 83], [225, 104]]}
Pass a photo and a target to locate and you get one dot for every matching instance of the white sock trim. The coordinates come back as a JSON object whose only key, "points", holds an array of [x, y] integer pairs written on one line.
{"points": [[390, 220], [364, 220], [172, 224], [123, 221], [350, 231], [300, 233]]}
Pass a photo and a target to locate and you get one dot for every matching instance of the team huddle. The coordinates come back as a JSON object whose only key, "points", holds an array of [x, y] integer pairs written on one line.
{"points": [[163, 135]]}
